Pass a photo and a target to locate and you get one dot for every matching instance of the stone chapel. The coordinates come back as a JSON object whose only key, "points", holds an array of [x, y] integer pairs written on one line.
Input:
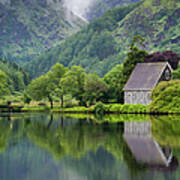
{"points": [[143, 79]]}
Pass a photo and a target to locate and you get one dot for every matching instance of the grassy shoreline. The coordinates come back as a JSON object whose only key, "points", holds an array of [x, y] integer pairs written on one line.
{"points": [[99, 108]]}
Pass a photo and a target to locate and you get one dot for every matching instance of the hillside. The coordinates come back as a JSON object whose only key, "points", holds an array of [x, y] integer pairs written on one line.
{"points": [[29, 28], [99, 7], [17, 77], [158, 21], [105, 41]]}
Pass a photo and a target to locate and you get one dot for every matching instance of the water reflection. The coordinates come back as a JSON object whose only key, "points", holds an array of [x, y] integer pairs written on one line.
{"points": [[55, 147], [145, 147]]}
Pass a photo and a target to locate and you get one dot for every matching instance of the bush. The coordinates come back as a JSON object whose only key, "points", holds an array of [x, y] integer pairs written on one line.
{"points": [[166, 97], [100, 108]]}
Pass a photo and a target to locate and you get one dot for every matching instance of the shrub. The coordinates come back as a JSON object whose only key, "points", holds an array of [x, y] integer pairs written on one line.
{"points": [[100, 108], [166, 97]]}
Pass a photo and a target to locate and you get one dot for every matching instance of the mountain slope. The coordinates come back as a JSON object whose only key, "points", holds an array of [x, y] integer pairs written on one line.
{"points": [[158, 21], [28, 28], [94, 47], [106, 41], [99, 7]]}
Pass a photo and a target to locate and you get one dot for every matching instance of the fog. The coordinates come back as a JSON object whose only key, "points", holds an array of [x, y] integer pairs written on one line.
{"points": [[78, 7]]}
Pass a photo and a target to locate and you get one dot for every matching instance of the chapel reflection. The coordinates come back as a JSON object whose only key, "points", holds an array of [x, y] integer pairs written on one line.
{"points": [[146, 149]]}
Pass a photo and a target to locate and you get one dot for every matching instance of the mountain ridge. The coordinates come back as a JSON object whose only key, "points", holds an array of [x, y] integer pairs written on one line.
{"points": [[155, 20], [31, 27]]}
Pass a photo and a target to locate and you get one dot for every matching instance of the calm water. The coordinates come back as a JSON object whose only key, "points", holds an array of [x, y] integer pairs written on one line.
{"points": [[51, 147]]}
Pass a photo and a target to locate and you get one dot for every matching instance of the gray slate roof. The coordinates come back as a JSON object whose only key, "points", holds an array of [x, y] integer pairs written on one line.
{"points": [[146, 76]]}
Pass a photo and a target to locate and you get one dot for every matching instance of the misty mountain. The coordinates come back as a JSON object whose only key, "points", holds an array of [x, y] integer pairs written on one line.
{"points": [[30, 27], [105, 42], [99, 7]]}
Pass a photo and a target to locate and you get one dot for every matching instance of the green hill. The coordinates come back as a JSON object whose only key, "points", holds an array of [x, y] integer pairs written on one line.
{"points": [[29, 28], [105, 41]]}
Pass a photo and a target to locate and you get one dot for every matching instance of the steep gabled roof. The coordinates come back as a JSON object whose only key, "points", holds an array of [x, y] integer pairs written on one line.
{"points": [[146, 76]]}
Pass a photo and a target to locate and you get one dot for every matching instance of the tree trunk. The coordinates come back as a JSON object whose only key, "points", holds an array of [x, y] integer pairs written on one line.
{"points": [[62, 101], [51, 104], [51, 101]]}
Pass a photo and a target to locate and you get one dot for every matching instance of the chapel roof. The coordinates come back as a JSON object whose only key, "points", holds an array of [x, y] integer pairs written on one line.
{"points": [[146, 76]]}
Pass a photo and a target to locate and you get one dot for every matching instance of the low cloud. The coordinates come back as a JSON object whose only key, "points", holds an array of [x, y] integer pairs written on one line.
{"points": [[78, 7]]}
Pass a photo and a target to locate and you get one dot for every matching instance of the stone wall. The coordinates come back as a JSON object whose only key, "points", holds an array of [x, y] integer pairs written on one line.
{"points": [[138, 97]]}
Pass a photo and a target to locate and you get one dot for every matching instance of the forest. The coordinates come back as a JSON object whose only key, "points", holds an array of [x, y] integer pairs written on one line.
{"points": [[94, 64], [73, 87]]}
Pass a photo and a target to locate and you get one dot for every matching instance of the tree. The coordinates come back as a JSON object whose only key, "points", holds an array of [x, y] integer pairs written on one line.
{"points": [[95, 88], [56, 73], [167, 56], [46, 85], [73, 83], [113, 79], [41, 88], [3, 84], [136, 55]]}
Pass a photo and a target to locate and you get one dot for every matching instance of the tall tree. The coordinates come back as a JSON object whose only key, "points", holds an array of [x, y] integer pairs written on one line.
{"points": [[56, 73], [134, 56], [95, 89], [113, 79], [73, 83]]}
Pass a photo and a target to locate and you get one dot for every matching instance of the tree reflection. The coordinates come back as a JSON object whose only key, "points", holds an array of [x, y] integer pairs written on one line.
{"points": [[98, 148]]}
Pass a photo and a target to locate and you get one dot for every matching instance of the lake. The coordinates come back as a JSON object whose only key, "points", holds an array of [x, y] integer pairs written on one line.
{"points": [[80, 147]]}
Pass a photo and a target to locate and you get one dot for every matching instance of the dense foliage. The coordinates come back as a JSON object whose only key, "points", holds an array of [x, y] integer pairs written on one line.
{"points": [[46, 85], [168, 56], [165, 97], [105, 42], [86, 88], [113, 79], [17, 77]]}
